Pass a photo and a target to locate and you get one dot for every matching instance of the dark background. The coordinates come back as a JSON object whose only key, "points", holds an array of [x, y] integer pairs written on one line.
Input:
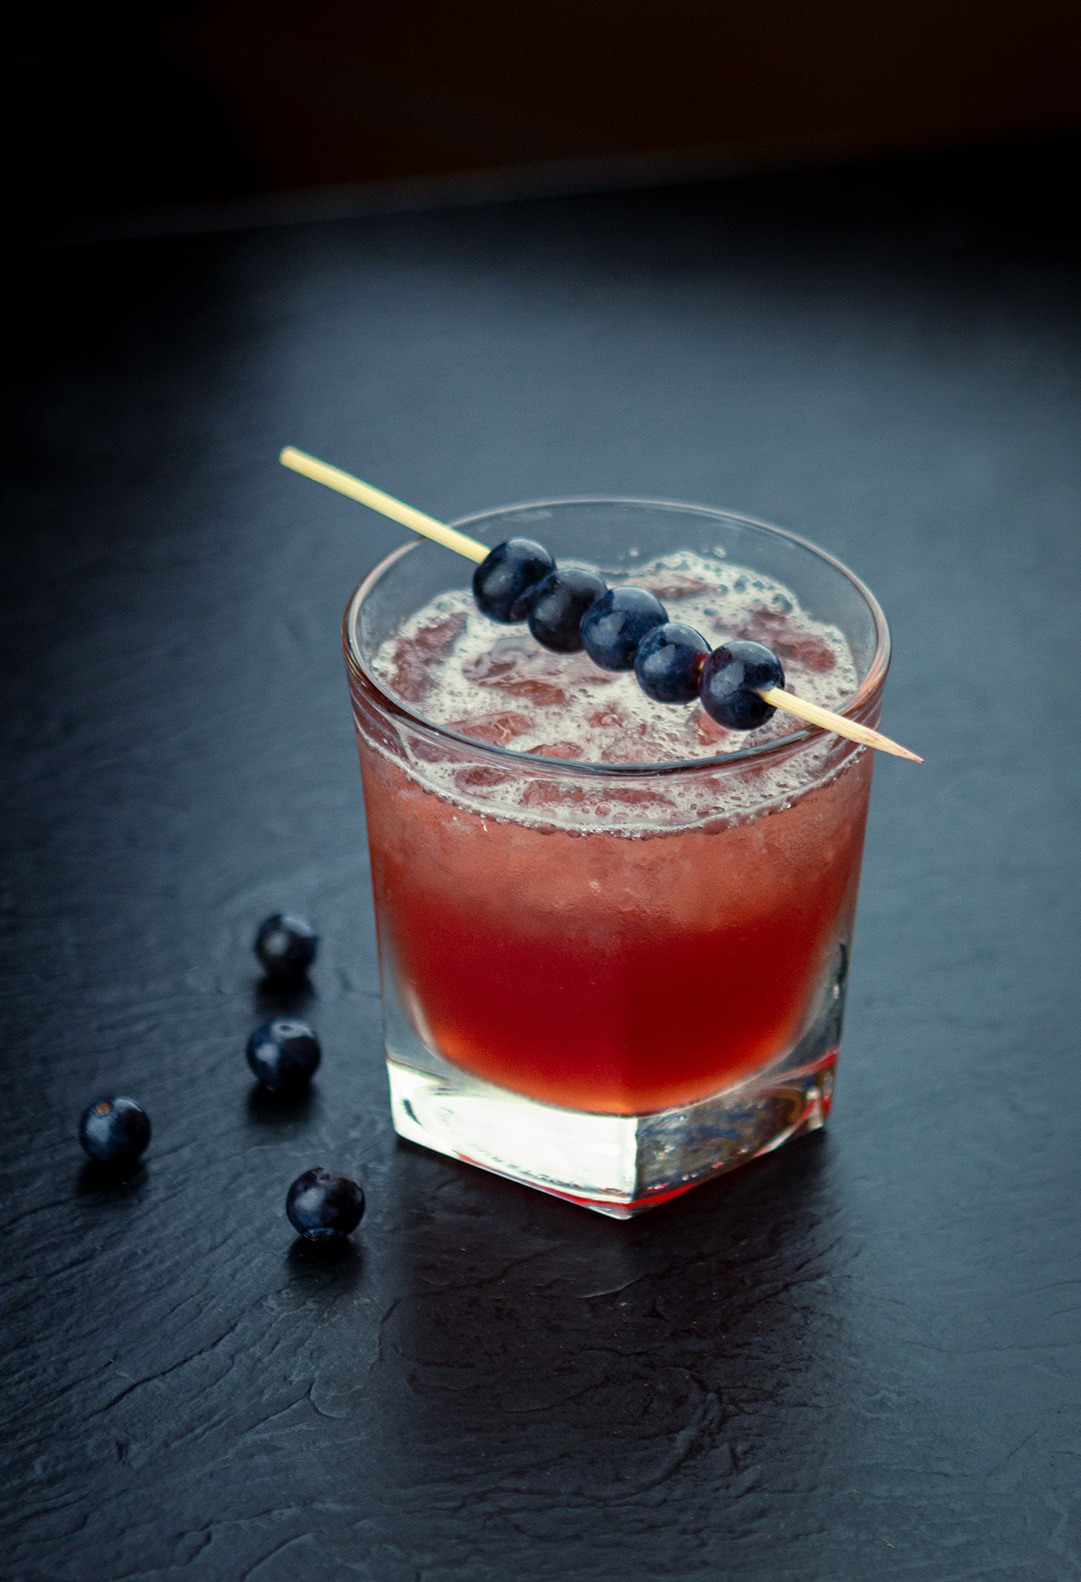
{"points": [[118, 108], [857, 1358]]}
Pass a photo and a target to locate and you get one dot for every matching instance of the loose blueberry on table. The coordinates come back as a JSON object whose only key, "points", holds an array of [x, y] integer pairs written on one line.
{"points": [[625, 628], [323, 1206], [286, 946], [114, 1131], [284, 1055]]}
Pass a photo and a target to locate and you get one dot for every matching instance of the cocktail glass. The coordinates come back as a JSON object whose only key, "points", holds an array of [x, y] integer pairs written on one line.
{"points": [[624, 979]]}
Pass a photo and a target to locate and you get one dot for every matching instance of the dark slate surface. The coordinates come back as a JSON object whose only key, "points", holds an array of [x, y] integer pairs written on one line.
{"points": [[856, 1359]]}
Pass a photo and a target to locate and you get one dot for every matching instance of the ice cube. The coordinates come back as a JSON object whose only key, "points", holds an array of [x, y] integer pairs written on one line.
{"points": [[549, 793], [676, 586], [709, 733], [558, 750], [521, 668], [411, 658], [497, 729], [792, 646]]}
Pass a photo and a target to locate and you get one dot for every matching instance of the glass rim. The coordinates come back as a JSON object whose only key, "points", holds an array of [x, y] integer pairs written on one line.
{"points": [[777, 748]]}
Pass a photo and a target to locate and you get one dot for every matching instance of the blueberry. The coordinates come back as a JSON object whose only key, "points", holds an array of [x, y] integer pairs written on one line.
{"points": [[505, 580], [731, 677], [616, 623], [669, 662], [323, 1206], [559, 602], [283, 1054], [286, 945], [114, 1131]]}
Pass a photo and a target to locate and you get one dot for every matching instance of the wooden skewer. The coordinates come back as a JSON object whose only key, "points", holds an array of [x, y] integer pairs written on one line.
{"points": [[814, 714], [345, 483], [462, 544]]}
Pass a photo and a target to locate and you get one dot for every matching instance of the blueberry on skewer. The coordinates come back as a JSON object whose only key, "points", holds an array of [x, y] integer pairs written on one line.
{"points": [[616, 623], [731, 678], [625, 628], [558, 605], [669, 662], [508, 576]]}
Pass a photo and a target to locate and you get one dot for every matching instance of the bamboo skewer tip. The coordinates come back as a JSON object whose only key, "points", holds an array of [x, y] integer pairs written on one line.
{"points": [[827, 719]]}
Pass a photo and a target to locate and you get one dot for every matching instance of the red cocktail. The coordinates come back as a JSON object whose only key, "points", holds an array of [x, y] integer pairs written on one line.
{"points": [[613, 936]]}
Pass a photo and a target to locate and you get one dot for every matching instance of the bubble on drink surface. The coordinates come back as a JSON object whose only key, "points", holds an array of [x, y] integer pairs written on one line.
{"points": [[503, 689]]}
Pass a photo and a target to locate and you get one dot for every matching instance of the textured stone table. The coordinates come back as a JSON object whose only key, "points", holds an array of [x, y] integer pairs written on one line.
{"points": [[856, 1358]]}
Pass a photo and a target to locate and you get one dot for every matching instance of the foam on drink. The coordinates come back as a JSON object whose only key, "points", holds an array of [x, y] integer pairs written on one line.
{"points": [[498, 686]]}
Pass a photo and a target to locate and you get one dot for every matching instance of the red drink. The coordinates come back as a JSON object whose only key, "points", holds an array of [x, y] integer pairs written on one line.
{"points": [[644, 972], [629, 941]]}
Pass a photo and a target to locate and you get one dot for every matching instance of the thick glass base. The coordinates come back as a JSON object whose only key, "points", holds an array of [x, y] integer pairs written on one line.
{"points": [[619, 1165]]}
